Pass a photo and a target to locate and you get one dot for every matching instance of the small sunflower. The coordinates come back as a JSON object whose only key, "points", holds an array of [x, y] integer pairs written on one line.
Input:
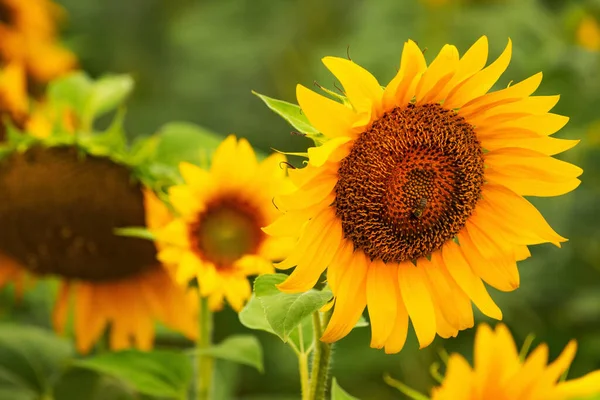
{"points": [[63, 197], [29, 36], [415, 195], [500, 374], [217, 237]]}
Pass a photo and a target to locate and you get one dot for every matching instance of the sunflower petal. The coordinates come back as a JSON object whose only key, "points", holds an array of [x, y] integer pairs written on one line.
{"points": [[382, 299], [329, 117]]}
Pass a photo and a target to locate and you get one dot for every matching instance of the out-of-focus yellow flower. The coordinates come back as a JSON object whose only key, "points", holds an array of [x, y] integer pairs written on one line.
{"points": [[500, 374], [28, 32], [588, 33]]}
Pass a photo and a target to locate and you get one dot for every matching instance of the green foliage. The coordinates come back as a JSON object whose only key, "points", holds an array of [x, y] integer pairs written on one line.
{"points": [[285, 311], [31, 360], [183, 141], [337, 393], [291, 113], [240, 349], [157, 373]]}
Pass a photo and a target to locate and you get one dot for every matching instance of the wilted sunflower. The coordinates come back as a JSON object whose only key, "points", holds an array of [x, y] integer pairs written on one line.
{"points": [[500, 374], [415, 195], [217, 237], [63, 197], [29, 36]]}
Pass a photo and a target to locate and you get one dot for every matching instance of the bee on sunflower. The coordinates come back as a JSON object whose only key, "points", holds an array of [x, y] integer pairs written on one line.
{"points": [[65, 192], [415, 195], [29, 37]]}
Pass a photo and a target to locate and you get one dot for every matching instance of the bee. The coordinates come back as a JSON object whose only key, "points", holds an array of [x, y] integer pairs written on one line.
{"points": [[417, 212]]}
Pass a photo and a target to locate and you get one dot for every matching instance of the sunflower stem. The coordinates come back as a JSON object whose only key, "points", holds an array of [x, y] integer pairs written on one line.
{"points": [[205, 363], [321, 358]]}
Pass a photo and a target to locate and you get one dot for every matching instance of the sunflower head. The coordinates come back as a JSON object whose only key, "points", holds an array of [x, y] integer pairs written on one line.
{"points": [[499, 372], [217, 236], [415, 194], [66, 193]]}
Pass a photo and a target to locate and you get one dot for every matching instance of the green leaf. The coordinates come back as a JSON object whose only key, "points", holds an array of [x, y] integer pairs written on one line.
{"points": [[337, 393], [285, 311], [362, 322], [157, 373], [31, 359], [107, 94], [140, 232], [290, 112], [241, 349], [253, 316], [183, 141], [72, 91]]}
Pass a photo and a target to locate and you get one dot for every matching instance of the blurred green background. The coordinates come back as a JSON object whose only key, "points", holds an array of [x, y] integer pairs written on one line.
{"points": [[198, 61]]}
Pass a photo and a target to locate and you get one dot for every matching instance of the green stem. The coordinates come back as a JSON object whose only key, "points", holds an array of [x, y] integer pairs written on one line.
{"points": [[321, 358], [304, 381], [205, 363]]}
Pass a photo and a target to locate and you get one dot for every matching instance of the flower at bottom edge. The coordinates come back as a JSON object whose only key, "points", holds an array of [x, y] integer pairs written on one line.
{"points": [[500, 374], [61, 210], [416, 197]]}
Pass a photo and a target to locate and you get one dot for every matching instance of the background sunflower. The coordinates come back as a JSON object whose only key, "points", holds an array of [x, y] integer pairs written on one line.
{"points": [[269, 47]]}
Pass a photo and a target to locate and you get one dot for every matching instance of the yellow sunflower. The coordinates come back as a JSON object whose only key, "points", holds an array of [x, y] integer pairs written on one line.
{"points": [[217, 237], [59, 211], [500, 374], [415, 195], [29, 36]]}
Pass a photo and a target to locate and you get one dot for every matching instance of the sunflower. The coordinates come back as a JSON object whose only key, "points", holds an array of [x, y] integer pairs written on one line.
{"points": [[217, 236], [500, 374], [415, 195], [28, 31], [63, 198]]}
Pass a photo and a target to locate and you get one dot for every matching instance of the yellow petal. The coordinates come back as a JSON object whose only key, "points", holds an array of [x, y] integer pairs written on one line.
{"points": [[362, 89], [382, 299], [350, 299], [185, 202], [189, 266], [527, 140], [415, 292], [531, 186], [397, 338], [437, 75], [480, 83], [320, 155], [400, 90], [223, 158], [311, 194], [471, 284], [545, 124], [587, 385], [468, 65], [329, 117]]}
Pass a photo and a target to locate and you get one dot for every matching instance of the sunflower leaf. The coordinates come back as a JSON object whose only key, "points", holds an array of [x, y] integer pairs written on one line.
{"points": [[184, 141], [253, 316], [285, 311], [337, 393], [158, 373], [290, 112], [107, 94], [71, 91], [240, 349], [31, 359]]}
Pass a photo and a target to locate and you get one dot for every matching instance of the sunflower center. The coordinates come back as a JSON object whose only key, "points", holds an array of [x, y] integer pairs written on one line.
{"points": [[409, 183], [58, 212], [228, 229]]}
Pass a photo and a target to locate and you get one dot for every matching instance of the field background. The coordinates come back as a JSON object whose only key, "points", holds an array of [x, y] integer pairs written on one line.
{"points": [[198, 61]]}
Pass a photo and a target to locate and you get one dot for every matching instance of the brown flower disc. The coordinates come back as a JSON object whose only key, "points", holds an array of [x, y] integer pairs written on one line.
{"points": [[409, 183], [58, 212]]}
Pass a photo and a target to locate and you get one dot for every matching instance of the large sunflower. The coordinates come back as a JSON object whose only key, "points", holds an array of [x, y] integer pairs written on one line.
{"points": [[63, 197], [217, 237], [500, 374], [415, 195], [29, 36]]}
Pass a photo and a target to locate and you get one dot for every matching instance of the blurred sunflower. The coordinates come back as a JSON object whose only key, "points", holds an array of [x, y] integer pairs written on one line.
{"points": [[500, 374], [217, 237], [64, 196], [588, 33], [29, 36], [415, 195]]}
